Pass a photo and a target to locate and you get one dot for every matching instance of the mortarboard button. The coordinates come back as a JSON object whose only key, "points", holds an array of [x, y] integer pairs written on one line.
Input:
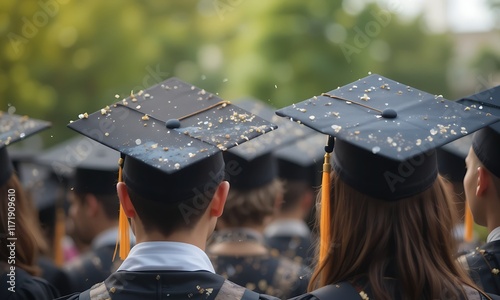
{"points": [[385, 154], [173, 124], [389, 113]]}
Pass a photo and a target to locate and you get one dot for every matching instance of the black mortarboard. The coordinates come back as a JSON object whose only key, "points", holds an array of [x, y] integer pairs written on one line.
{"points": [[302, 160], [254, 164], [14, 128], [486, 142], [451, 158], [89, 166], [386, 132], [171, 136]]}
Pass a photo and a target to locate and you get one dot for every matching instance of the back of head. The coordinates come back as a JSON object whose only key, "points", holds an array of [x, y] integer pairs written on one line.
{"points": [[172, 201], [252, 207], [409, 239], [486, 146]]}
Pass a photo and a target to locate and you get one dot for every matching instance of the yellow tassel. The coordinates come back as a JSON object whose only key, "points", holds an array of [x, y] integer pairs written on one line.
{"points": [[468, 224], [123, 226], [59, 233], [325, 223]]}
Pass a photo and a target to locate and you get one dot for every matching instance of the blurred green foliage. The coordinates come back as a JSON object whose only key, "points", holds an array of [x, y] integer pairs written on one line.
{"points": [[60, 58]]}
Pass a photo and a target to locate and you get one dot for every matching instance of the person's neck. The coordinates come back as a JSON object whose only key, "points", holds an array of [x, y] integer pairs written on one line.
{"points": [[241, 241], [188, 237], [294, 214]]}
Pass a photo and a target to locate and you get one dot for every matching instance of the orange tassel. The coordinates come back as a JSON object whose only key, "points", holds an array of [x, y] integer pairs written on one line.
{"points": [[468, 224], [123, 239], [59, 233], [325, 223]]}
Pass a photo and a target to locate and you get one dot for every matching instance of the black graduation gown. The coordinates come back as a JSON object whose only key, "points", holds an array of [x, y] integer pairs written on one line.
{"points": [[483, 265], [347, 291], [91, 268], [265, 274], [197, 285], [27, 287], [296, 248], [55, 276]]}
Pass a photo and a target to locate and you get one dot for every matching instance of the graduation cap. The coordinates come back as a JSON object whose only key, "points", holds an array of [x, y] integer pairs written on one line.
{"points": [[386, 133], [302, 160], [170, 137], [387, 128], [89, 166], [486, 142], [14, 128], [165, 131], [254, 164]]}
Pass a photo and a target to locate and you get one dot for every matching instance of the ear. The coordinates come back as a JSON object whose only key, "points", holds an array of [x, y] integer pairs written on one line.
{"points": [[219, 199], [124, 197], [483, 181]]}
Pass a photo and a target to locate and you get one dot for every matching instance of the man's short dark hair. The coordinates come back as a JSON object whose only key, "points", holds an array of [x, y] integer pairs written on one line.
{"points": [[169, 216]]}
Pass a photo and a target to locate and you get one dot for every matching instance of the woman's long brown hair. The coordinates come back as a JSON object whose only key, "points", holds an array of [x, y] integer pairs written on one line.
{"points": [[413, 235], [28, 232]]}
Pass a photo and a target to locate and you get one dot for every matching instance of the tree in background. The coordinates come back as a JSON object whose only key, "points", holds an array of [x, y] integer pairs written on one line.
{"points": [[60, 58], [486, 64]]}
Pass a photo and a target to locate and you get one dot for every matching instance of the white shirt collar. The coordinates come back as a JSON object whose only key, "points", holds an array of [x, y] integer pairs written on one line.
{"points": [[288, 227], [166, 256], [494, 235]]}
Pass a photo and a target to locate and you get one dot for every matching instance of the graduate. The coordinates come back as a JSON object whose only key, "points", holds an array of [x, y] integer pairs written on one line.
{"points": [[21, 237], [482, 190], [386, 218], [171, 188]]}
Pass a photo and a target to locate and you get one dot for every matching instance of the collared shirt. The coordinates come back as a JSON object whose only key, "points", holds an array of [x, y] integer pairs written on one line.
{"points": [[108, 237], [494, 235], [166, 256], [288, 227]]}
